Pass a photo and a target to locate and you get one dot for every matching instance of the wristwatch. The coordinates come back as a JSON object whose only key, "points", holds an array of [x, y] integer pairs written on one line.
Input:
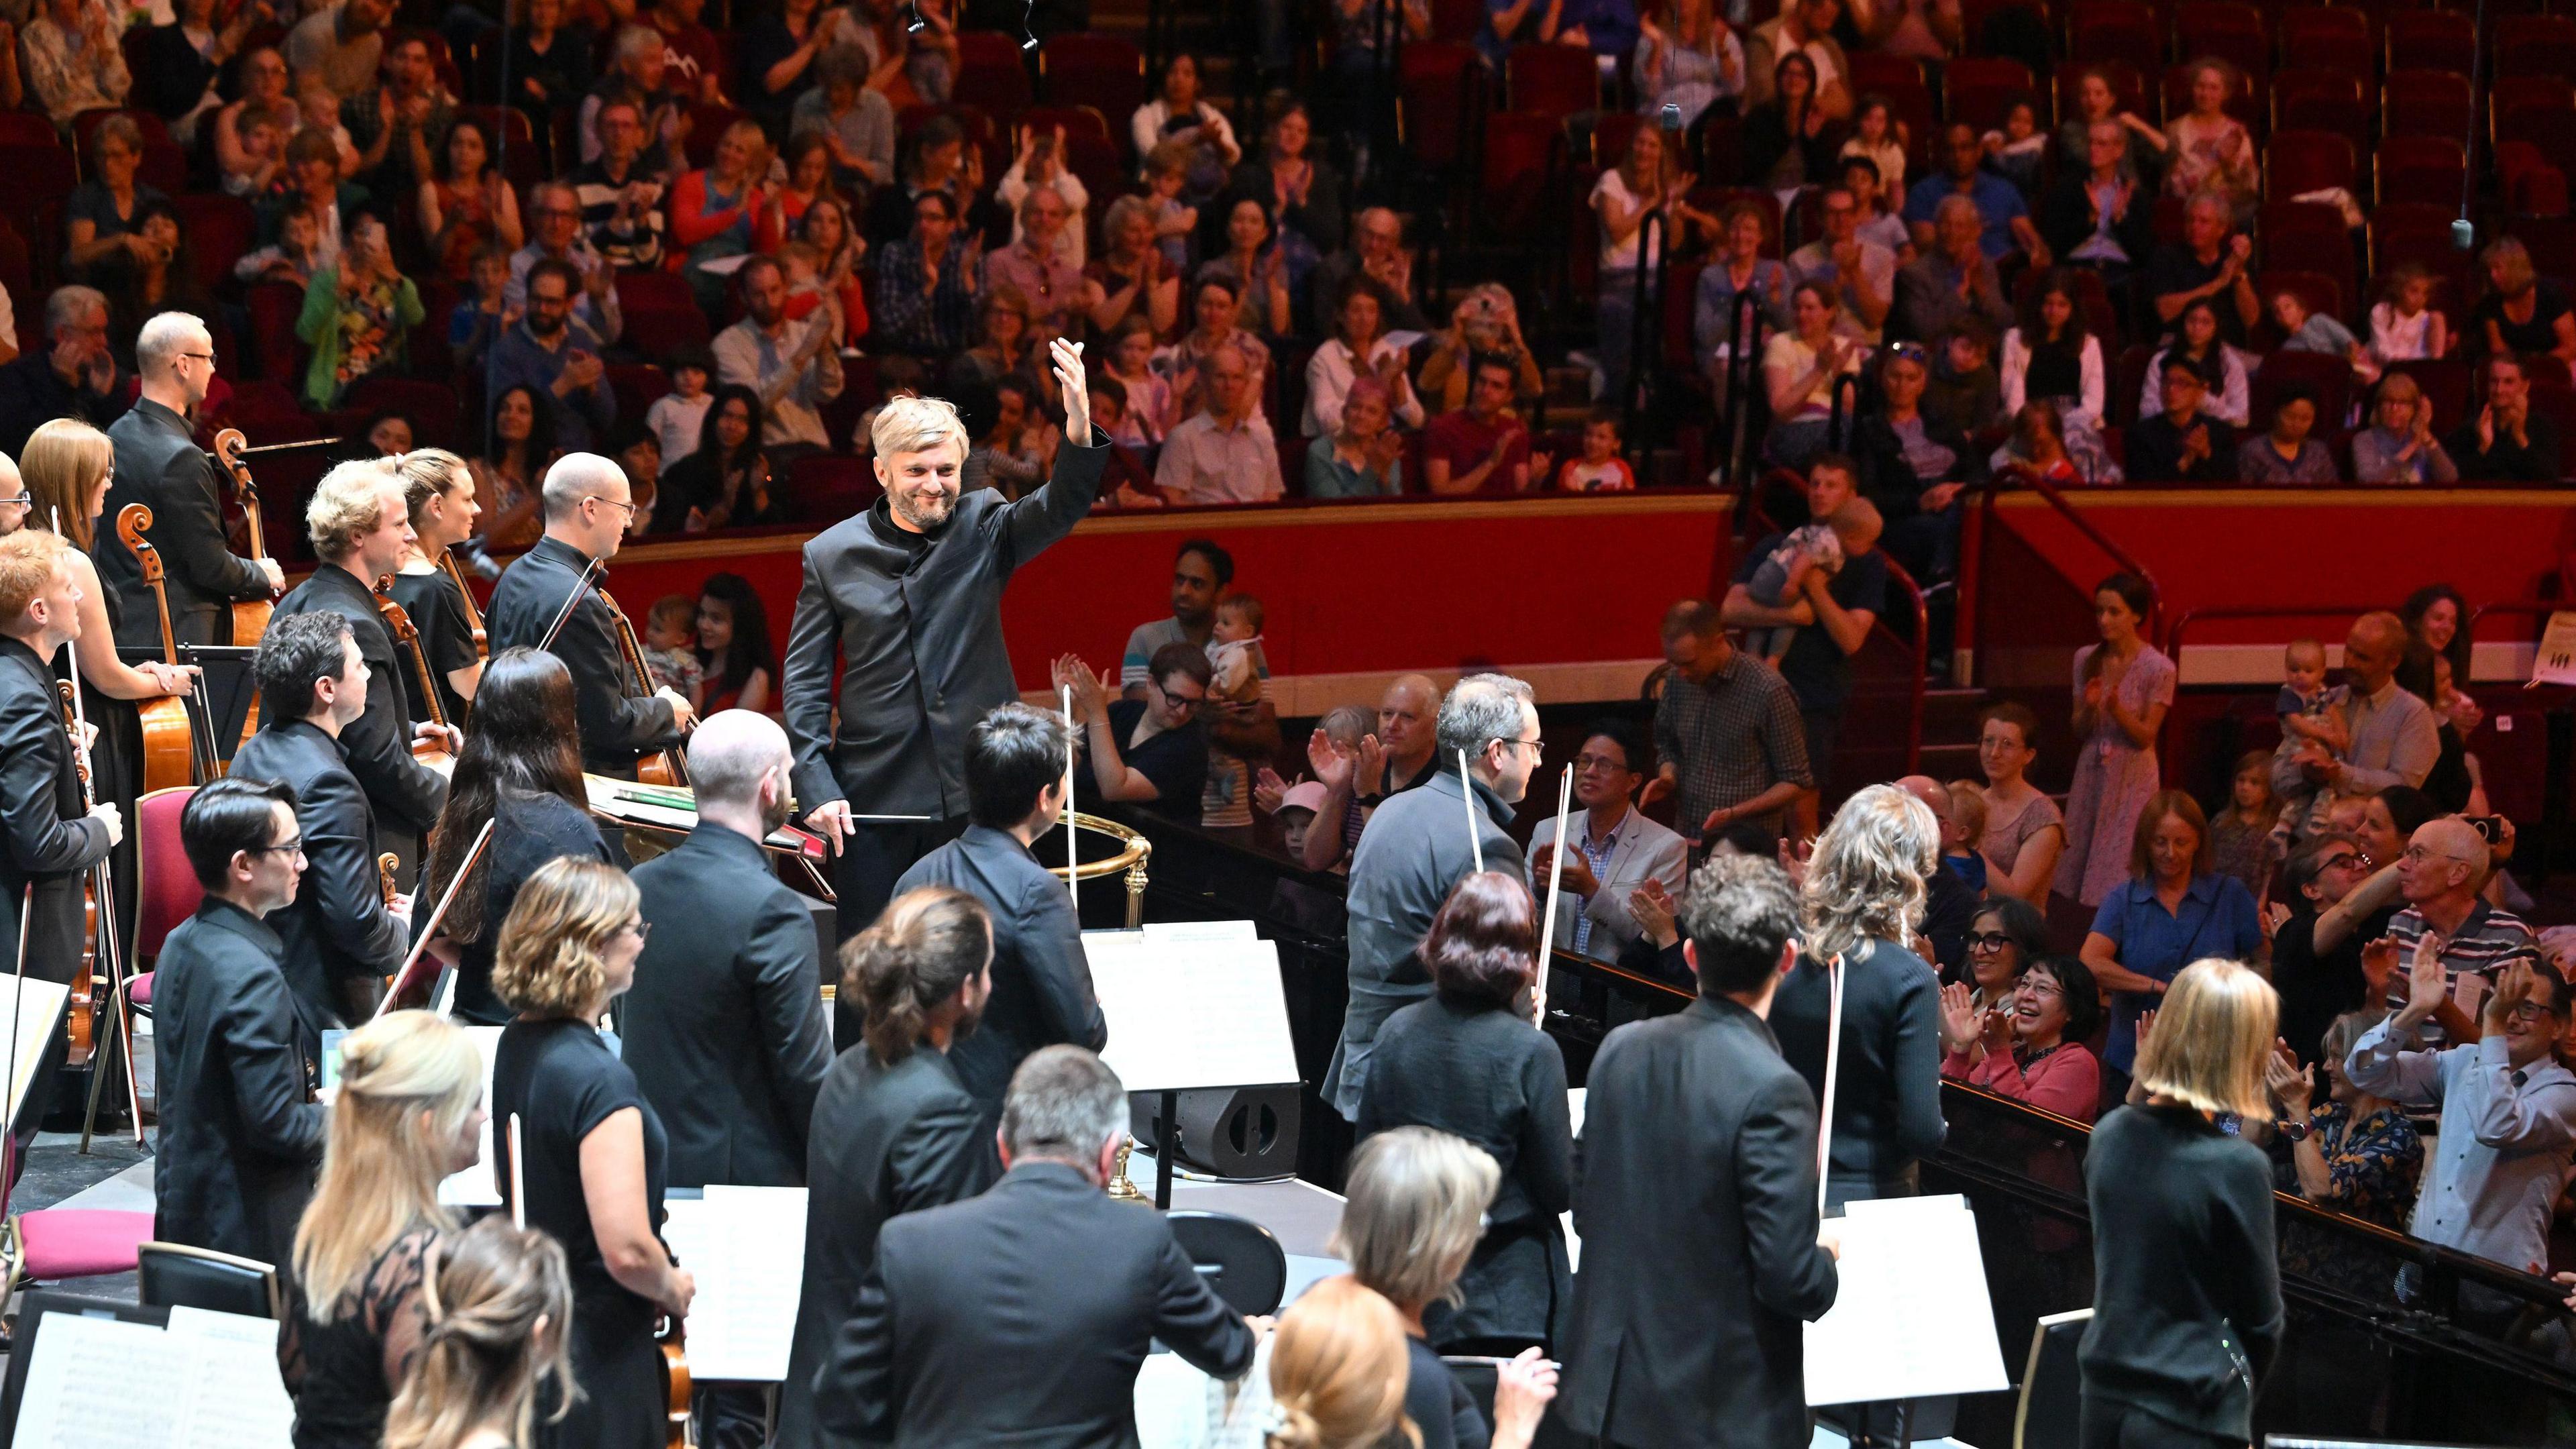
{"points": [[2291, 1131]]}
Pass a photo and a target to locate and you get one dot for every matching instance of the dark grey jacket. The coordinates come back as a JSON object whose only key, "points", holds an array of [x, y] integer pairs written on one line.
{"points": [[337, 926], [724, 1026], [621, 718], [405, 794], [50, 840], [915, 622], [159, 465]]}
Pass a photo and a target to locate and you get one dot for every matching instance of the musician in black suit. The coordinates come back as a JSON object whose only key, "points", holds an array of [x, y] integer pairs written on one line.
{"points": [[725, 1025], [588, 509], [50, 840], [894, 1131], [1019, 1318], [338, 932], [1686, 1324], [1041, 980], [360, 526], [240, 1138], [159, 464], [907, 599]]}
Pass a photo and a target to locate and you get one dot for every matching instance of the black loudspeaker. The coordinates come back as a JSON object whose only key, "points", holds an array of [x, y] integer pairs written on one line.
{"points": [[1231, 1132]]}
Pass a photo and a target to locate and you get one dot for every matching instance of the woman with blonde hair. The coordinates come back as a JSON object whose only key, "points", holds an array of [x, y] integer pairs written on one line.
{"points": [[409, 1113], [438, 489], [572, 1129], [496, 1310], [2187, 1295], [1337, 1372], [1413, 1215], [1863, 899]]}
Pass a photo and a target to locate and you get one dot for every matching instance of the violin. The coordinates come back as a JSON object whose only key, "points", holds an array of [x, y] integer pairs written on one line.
{"points": [[388, 867], [465, 592], [682, 1431], [175, 753], [98, 932], [250, 617], [432, 753], [662, 767]]}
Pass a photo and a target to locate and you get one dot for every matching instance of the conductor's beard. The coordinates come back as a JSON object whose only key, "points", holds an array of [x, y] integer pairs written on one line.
{"points": [[925, 509]]}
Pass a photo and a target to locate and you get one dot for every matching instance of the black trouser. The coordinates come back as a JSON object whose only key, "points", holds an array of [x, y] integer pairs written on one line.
{"points": [[2109, 1425], [874, 855], [1823, 728]]}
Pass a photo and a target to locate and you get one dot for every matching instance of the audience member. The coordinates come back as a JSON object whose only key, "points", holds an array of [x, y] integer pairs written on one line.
{"points": [[1034, 265], [520, 447], [1952, 281], [2053, 356], [1803, 27], [2003, 217], [399, 124], [2508, 440], [1224, 453], [338, 46], [2355, 1152], [357, 316], [1364, 458], [1965, 395], [1728, 736], [467, 206], [620, 197], [1788, 140], [2173, 910], [2209, 264], [2520, 315], [1254, 267], [1736, 270], [103, 217], [1151, 750], [1377, 253], [73, 60], [2439, 874], [2101, 217], [2025, 835], [1863, 271], [2391, 737], [2180, 443], [1300, 191], [548, 62], [925, 285], [1483, 447], [1618, 852], [2033, 1048], [793, 366], [2320, 980], [1832, 615], [1485, 323], [1881, 139], [1358, 348], [1802, 369], [72, 376], [1950, 897], [1178, 114], [2209, 152], [2399, 446], [2240, 834], [558, 237], [2287, 453], [2123, 687], [556, 355], [2404, 325], [739, 664]]}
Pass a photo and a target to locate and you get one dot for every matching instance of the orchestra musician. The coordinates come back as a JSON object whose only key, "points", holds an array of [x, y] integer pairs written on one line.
{"points": [[907, 599], [340, 937], [570, 1121], [240, 1134], [360, 526], [492, 1351], [50, 841], [1042, 992], [521, 772], [1020, 1317], [438, 491], [588, 508], [409, 1112], [158, 464], [895, 1131], [725, 1025]]}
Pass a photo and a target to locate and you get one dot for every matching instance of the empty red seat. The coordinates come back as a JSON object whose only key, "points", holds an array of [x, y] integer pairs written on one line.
{"points": [[433, 409], [1076, 121], [220, 231], [2430, 40], [1554, 80], [2324, 100], [1437, 83], [2420, 169], [1977, 89], [2329, 37], [2298, 162], [824, 489], [2534, 45], [2228, 29], [1084, 69], [2123, 30], [991, 73], [1521, 151]]}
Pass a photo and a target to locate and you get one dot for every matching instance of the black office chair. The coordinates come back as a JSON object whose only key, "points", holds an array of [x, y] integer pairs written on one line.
{"points": [[2052, 1386], [175, 1275], [1478, 1374], [1239, 1258]]}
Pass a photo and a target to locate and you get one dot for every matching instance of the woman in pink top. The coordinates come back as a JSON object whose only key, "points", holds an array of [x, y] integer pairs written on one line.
{"points": [[2035, 1051]]}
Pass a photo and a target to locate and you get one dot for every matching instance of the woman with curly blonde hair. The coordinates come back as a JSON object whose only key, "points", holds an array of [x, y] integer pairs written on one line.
{"points": [[496, 1306], [571, 1128]]}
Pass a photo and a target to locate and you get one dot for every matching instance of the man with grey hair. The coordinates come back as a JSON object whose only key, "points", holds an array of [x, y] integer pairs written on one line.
{"points": [[1953, 279], [1224, 452], [1415, 848], [72, 376], [1686, 1326], [724, 1026], [159, 465], [906, 600], [1043, 1275], [1376, 251], [555, 217], [589, 506]]}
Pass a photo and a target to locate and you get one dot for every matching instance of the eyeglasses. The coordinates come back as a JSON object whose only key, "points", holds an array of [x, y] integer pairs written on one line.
{"points": [[2419, 854], [1536, 748], [2339, 862], [205, 357], [2531, 1011], [2041, 986], [611, 502], [1988, 941], [1179, 703], [19, 500], [1586, 764], [288, 847]]}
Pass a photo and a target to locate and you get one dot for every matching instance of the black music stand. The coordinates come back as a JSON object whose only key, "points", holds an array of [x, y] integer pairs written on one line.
{"points": [[225, 692]]}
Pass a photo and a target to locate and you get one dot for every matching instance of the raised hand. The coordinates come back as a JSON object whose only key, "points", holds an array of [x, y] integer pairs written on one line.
{"points": [[1333, 763], [2291, 1085], [1958, 1016], [2512, 990], [2378, 968], [1522, 1390], [1372, 773], [2426, 987]]}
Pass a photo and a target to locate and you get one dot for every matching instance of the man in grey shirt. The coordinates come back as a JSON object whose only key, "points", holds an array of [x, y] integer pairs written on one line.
{"points": [[2393, 738], [341, 46]]}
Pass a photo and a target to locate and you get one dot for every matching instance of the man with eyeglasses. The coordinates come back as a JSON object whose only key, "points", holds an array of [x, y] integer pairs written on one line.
{"points": [[159, 465], [73, 376], [1376, 251], [619, 196], [2439, 876], [556, 354], [555, 234], [589, 507], [1864, 271], [2319, 971], [1415, 848], [1616, 853], [240, 1138]]}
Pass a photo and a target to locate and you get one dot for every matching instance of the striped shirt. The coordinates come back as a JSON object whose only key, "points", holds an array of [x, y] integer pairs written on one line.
{"points": [[2488, 940]]}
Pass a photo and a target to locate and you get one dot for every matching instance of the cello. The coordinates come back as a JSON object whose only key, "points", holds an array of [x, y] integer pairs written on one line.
{"points": [[661, 767], [250, 616], [473, 611], [175, 753], [432, 753]]}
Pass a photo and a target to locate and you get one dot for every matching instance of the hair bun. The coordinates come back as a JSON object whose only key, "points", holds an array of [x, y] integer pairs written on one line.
{"points": [[1292, 1427]]}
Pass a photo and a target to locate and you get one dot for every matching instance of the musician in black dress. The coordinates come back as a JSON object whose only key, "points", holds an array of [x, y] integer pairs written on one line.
{"points": [[50, 841], [438, 490], [360, 527], [568, 1113], [158, 463], [895, 1131], [906, 598], [588, 510], [521, 772], [408, 1114]]}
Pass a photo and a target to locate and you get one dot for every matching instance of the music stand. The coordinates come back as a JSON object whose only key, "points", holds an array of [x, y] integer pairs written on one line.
{"points": [[33, 1305], [226, 689], [1190, 1016]]}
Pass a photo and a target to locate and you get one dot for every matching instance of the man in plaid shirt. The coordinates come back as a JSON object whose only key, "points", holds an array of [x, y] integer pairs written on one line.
{"points": [[1727, 731]]}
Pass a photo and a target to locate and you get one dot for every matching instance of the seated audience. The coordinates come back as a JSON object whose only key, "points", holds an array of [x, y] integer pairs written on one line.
{"points": [[548, 62], [2440, 873], [513, 465], [2048, 445], [2209, 152], [1298, 189], [1737, 269], [2287, 453], [2208, 265], [1364, 458], [1952, 280], [74, 62], [558, 236], [726, 480], [925, 286], [1178, 114], [357, 317], [103, 216], [1151, 751], [1359, 348], [400, 124], [2404, 324], [2399, 445], [1800, 368], [70, 373], [794, 366], [2053, 356], [1253, 266], [467, 206], [2521, 315], [2034, 1049], [1035, 266], [2354, 1152], [1485, 323], [2508, 440], [1016, 453], [1224, 452], [337, 47], [2223, 368], [1789, 139], [2181, 444], [1483, 447], [1376, 252], [714, 207], [2003, 217], [620, 195], [1136, 281], [552, 353], [1863, 271], [2101, 216]]}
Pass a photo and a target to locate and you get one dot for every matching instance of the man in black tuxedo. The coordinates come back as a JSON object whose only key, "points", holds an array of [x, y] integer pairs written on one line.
{"points": [[724, 1026], [1685, 1328], [240, 1136], [1041, 980], [588, 507], [159, 464], [338, 937], [1019, 1318], [51, 841], [907, 599], [360, 526]]}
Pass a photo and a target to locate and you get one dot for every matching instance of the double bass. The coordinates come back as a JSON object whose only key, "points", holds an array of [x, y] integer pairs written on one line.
{"points": [[250, 616], [662, 767], [175, 752], [433, 753]]}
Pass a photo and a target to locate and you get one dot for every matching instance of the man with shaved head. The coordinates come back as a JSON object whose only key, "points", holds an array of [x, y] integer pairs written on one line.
{"points": [[623, 717], [725, 1027], [2439, 875], [1949, 903], [2394, 739]]}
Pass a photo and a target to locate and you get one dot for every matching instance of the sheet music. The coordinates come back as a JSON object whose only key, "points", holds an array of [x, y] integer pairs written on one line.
{"points": [[475, 1186], [216, 1384], [39, 1012], [1910, 1318], [1194, 1014], [1189, 932], [746, 1247]]}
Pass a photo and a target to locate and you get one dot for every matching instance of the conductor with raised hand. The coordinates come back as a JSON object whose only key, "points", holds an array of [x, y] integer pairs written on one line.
{"points": [[906, 598]]}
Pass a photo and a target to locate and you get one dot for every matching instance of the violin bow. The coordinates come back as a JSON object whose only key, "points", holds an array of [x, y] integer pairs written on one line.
{"points": [[429, 928], [572, 601]]}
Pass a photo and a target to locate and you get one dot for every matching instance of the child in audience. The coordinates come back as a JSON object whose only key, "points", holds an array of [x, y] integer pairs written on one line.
{"points": [[1777, 583], [263, 135], [1600, 469], [1129, 481], [1234, 652], [319, 110], [2015, 152], [1965, 394], [678, 416], [1149, 393], [479, 319], [2306, 331], [2403, 324], [1861, 177], [2241, 837], [292, 258], [641, 457], [1880, 138], [1960, 833], [2311, 713], [1297, 810], [1167, 175], [671, 645]]}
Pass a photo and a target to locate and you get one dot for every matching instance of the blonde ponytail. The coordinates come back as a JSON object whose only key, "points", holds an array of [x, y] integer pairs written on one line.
{"points": [[1337, 1371], [408, 1083]]}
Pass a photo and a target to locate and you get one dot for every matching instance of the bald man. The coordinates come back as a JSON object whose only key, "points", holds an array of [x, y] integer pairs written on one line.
{"points": [[2394, 736], [1393, 760], [1949, 903], [725, 1026], [2439, 875]]}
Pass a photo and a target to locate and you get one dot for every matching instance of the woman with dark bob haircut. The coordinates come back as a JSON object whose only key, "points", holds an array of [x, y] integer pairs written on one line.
{"points": [[1469, 1062]]}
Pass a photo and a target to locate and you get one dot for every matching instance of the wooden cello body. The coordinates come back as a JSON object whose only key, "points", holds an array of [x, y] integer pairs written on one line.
{"points": [[434, 754], [662, 767], [175, 753]]}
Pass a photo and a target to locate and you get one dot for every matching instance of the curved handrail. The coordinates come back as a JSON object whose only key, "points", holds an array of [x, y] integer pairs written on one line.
{"points": [[1972, 577]]}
